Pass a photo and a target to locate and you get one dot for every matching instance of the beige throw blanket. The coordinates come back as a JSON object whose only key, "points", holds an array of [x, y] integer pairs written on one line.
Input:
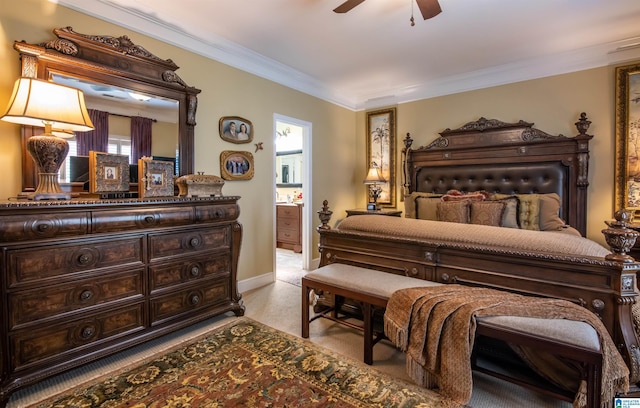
{"points": [[436, 327]]}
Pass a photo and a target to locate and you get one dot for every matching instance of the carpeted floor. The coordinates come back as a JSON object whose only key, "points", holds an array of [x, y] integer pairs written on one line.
{"points": [[245, 363], [278, 306], [289, 266]]}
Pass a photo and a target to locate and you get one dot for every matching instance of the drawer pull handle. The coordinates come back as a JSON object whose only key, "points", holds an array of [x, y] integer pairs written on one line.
{"points": [[149, 219], [195, 271], [86, 295], [195, 299], [88, 332], [84, 259], [219, 213], [43, 227], [194, 242]]}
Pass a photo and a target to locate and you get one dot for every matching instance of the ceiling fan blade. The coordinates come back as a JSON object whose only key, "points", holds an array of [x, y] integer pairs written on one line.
{"points": [[347, 5], [429, 8]]}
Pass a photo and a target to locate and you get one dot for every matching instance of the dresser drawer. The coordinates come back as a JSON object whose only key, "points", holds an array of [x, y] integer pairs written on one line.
{"points": [[169, 274], [291, 235], [287, 211], [185, 242], [41, 226], [47, 302], [37, 263], [68, 337], [213, 213], [289, 223], [188, 301], [126, 220]]}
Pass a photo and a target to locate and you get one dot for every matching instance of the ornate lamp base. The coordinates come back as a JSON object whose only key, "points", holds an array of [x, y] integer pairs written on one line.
{"points": [[48, 153]]}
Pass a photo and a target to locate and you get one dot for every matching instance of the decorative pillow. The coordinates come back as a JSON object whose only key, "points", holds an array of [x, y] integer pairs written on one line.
{"points": [[427, 208], [457, 195], [529, 211], [550, 212], [454, 211], [511, 215], [410, 208], [487, 212]]}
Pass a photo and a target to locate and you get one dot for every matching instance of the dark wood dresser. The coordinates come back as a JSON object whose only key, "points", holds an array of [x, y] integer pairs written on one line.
{"points": [[289, 226], [85, 279]]}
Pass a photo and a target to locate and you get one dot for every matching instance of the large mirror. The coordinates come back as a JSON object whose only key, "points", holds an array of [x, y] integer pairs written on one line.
{"points": [[121, 78], [289, 169]]}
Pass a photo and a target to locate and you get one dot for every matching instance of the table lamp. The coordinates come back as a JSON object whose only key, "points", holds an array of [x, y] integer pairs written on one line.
{"points": [[373, 178], [35, 102]]}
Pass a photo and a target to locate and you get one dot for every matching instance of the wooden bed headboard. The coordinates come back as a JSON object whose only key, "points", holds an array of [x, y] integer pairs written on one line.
{"points": [[507, 158]]}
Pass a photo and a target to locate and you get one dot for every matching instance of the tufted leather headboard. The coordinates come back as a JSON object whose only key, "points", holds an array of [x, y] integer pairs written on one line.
{"points": [[508, 158]]}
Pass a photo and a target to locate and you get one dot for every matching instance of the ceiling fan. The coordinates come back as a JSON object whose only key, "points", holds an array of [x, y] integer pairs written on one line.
{"points": [[428, 8]]}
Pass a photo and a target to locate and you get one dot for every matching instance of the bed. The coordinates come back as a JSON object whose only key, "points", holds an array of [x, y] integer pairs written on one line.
{"points": [[501, 160]]}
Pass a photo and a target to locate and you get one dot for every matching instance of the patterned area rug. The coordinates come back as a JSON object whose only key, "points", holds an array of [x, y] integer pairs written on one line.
{"points": [[247, 364]]}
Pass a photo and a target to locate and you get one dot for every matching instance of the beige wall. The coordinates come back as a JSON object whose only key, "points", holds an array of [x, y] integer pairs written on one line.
{"points": [[338, 135], [225, 92]]}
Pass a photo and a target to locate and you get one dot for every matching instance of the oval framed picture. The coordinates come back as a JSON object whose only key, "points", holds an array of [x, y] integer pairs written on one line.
{"points": [[235, 129], [236, 165]]}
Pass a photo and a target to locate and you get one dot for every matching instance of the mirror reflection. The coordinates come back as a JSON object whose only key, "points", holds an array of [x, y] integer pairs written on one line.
{"points": [[122, 105], [289, 169]]}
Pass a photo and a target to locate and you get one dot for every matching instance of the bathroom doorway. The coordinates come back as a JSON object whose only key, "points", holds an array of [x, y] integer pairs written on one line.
{"points": [[292, 196]]}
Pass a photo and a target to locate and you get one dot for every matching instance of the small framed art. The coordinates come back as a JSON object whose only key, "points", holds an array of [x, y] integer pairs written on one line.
{"points": [[236, 165], [155, 178], [108, 172], [235, 129]]}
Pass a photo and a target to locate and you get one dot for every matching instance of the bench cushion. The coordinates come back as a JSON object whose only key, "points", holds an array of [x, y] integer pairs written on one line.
{"points": [[364, 280], [562, 330]]}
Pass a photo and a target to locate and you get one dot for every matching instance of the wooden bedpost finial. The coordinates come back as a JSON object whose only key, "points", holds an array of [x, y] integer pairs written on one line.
{"points": [[583, 124], [325, 216], [620, 237]]}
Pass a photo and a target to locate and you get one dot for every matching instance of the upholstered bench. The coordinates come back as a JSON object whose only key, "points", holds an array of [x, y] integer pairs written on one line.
{"points": [[575, 341]]}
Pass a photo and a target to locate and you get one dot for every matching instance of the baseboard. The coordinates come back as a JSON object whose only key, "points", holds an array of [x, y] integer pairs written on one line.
{"points": [[266, 279]]}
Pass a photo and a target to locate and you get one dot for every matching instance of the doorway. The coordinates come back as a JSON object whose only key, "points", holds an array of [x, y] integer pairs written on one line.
{"points": [[292, 191]]}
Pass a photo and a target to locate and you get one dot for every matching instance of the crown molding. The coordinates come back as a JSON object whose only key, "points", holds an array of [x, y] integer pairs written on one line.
{"points": [[219, 49]]}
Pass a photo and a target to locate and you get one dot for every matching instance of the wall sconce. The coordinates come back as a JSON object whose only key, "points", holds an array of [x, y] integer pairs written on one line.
{"points": [[35, 102], [373, 178]]}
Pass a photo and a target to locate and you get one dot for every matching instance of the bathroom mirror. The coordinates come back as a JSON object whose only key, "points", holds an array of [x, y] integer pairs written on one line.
{"points": [[289, 169], [117, 62]]}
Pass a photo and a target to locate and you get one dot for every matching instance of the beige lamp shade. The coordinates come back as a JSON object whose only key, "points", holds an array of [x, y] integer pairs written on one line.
{"points": [[41, 103], [374, 176], [35, 102]]}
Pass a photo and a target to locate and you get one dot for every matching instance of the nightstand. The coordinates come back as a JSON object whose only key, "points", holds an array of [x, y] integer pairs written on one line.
{"points": [[383, 211]]}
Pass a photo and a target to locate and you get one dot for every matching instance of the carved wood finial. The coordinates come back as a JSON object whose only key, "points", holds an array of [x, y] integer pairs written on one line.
{"points": [[583, 124], [620, 237], [325, 216]]}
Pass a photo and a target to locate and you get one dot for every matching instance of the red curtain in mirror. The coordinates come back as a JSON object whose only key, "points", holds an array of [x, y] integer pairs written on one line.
{"points": [[96, 139], [140, 138]]}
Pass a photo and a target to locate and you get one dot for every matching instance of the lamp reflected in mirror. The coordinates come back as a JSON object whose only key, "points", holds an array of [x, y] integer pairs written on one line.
{"points": [[373, 179], [41, 103]]}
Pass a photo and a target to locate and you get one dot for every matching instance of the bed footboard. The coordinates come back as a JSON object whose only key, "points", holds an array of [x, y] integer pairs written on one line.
{"points": [[606, 286]]}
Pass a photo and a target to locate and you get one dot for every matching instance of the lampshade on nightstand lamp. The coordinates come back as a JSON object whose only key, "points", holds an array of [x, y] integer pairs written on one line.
{"points": [[374, 176], [35, 102]]}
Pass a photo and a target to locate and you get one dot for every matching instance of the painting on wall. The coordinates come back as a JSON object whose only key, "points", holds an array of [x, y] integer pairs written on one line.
{"points": [[235, 129], [627, 163], [236, 165], [381, 152]]}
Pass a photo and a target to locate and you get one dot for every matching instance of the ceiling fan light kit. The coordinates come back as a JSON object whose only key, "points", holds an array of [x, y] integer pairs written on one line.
{"points": [[428, 8]]}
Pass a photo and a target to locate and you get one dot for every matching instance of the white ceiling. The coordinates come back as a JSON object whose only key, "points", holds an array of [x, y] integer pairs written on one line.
{"points": [[371, 56]]}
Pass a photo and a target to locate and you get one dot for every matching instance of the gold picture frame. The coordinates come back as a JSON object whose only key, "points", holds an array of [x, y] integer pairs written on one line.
{"points": [[627, 162], [236, 165], [381, 152], [235, 129], [155, 178], [108, 173]]}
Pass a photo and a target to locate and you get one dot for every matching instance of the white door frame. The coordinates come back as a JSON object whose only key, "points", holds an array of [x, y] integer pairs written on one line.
{"points": [[306, 185]]}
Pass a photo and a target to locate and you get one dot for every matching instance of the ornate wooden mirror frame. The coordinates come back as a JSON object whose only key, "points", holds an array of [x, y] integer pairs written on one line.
{"points": [[114, 61]]}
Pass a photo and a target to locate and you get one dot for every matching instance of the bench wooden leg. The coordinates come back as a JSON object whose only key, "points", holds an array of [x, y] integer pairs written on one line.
{"points": [[305, 311], [368, 333]]}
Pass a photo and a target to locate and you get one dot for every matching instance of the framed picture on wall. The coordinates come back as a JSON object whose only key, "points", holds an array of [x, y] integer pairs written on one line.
{"points": [[236, 165], [108, 173], [381, 152], [235, 129], [627, 162]]}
